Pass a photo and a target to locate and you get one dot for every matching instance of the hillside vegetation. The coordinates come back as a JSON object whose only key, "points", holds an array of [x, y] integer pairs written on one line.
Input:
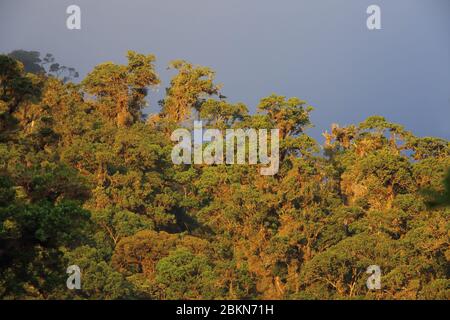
{"points": [[87, 179]]}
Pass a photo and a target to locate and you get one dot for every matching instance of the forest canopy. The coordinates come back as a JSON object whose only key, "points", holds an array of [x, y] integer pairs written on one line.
{"points": [[86, 179]]}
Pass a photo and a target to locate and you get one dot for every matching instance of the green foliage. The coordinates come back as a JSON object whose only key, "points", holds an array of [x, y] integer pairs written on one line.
{"points": [[85, 179], [183, 275], [121, 89], [440, 198], [30, 59], [31, 238], [188, 90]]}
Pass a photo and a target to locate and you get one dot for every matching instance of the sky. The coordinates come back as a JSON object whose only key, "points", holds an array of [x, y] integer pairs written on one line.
{"points": [[318, 50]]}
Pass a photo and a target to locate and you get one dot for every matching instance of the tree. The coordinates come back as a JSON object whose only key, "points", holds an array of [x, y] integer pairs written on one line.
{"points": [[183, 275], [188, 90], [31, 60], [85, 179], [121, 89], [33, 234]]}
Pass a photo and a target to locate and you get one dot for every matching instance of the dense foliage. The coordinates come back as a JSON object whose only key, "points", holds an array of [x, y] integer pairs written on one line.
{"points": [[86, 178]]}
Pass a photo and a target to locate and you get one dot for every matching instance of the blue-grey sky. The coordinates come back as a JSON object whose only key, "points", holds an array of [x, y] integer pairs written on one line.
{"points": [[318, 50]]}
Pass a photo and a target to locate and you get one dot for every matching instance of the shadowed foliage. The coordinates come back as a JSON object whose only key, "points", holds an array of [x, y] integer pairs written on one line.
{"points": [[86, 179]]}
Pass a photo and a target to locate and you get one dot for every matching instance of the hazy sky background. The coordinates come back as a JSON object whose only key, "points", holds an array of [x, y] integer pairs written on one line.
{"points": [[318, 50]]}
